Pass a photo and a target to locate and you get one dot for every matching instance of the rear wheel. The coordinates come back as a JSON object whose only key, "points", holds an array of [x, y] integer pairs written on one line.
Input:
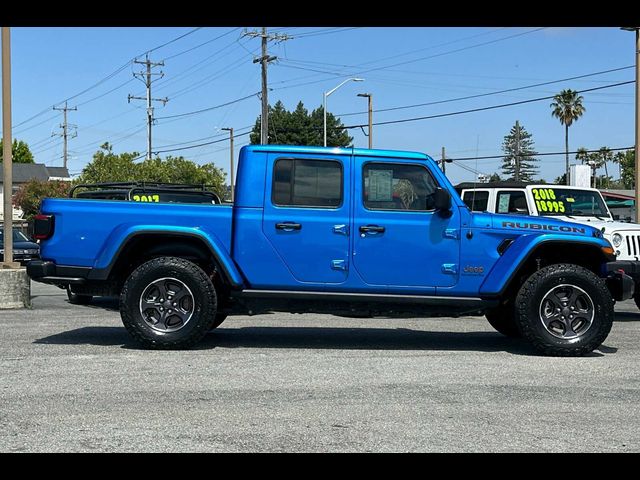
{"points": [[564, 310], [502, 319], [168, 302]]}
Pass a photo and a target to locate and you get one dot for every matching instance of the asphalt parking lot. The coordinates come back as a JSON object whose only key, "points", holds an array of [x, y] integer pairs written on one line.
{"points": [[73, 381]]}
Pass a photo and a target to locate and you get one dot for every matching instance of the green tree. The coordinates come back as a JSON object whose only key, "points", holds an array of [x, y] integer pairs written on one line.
{"points": [[583, 155], [20, 152], [107, 166], [30, 195], [519, 162], [600, 159], [567, 107], [494, 177], [561, 180], [627, 164], [300, 127]]}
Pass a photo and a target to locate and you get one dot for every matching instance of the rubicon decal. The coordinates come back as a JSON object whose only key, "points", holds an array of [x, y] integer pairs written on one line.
{"points": [[541, 226]]}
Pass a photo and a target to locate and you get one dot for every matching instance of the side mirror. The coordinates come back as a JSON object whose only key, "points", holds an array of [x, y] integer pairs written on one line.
{"points": [[442, 200]]}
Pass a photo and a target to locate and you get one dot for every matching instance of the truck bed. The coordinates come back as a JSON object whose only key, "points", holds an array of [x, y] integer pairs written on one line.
{"points": [[88, 232]]}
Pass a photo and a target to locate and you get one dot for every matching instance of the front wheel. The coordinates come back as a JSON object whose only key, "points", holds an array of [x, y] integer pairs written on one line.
{"points": [[636, 294], [564, 310], [168, 302], [502, 319]]}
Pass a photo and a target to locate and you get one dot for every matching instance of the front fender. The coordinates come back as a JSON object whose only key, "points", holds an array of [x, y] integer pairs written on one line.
{"points": [[519, 252], [121, 235]]}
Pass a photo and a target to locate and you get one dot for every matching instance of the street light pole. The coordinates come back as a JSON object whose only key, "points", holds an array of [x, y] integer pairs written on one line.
{"points": [[324, 102], [637, 145], [369, 96]]}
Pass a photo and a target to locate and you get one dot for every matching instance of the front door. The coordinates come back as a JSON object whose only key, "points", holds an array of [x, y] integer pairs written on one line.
{"points": [[306, 216], [399, 239]]}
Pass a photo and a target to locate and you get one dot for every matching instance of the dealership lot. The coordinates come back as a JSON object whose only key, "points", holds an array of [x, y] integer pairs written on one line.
{"points": [[73, 380]]}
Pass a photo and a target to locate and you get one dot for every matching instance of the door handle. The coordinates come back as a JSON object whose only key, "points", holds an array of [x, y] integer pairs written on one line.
{"points": [[371, 229], [288, 226]]}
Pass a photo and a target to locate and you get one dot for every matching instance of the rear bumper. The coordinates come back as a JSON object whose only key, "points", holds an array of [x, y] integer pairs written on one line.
{"points": [[620, 278], [45, 271]]}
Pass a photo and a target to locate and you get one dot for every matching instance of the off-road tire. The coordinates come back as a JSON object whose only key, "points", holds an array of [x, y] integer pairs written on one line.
{"points": [[502, 319], [220, 317], [528, 308], [77, 299], [204, 303], [636, 295]]}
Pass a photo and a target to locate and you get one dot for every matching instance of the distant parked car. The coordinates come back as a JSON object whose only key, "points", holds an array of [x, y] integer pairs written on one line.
{"points": [[24, 250]]}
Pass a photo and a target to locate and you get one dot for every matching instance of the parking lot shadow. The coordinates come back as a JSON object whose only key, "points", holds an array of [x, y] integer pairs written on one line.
{"points": [[104, 336], [627, 317], [364, 339], [317, 338]]}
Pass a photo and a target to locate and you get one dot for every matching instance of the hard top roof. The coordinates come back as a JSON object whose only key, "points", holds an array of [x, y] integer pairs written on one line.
{"points": [[365, 152]]}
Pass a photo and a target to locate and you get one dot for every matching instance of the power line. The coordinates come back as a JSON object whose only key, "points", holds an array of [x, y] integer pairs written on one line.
{"points": [[538, 154], [201, 144], [468, 97], [492, 107], [195, 112], [202, 44], [203, 138], [170, 41], [323, 31], [103, 80], [468, 47]]}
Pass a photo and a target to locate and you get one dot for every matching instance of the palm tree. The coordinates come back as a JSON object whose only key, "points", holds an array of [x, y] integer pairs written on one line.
{"points": [[567, 107], [582, 154]]}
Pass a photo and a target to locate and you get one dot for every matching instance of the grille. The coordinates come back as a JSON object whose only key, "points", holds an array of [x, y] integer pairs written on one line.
{"points": [[633, 245]]}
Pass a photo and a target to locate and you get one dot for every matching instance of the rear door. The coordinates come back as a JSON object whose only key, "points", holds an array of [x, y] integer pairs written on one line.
{"points": [[306, 215]]}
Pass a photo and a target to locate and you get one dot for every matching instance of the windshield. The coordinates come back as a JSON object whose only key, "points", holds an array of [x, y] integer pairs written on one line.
{"points": [[18, 236], [570, 202]]}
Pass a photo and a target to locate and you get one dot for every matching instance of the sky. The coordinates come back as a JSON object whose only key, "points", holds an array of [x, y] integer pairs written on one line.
{"points": [[401, 66]]}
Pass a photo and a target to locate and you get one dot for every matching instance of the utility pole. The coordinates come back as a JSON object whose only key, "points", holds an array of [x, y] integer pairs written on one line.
{"points": [[146, 76], [65, 132], [264, 60], [517, 166], [7, 141], [231, 169], [369, 97], [637, 146]]}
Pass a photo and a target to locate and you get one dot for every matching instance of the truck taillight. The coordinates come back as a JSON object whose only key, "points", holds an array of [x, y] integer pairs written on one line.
{"points": [[43, 226]]}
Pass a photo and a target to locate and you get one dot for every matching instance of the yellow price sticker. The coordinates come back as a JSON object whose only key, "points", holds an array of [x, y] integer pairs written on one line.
{"points": [[550, 206], [146, 198]]}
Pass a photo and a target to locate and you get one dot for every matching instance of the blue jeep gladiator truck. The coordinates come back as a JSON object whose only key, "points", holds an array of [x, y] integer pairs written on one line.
{"points": [[332, 230]]}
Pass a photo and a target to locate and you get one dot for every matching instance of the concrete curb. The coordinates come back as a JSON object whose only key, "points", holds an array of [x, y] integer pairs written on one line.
{"points": [[15, 288]]}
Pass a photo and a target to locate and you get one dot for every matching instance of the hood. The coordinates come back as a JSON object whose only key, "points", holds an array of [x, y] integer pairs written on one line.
{"points": [[529, 224], [608, 227]]}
